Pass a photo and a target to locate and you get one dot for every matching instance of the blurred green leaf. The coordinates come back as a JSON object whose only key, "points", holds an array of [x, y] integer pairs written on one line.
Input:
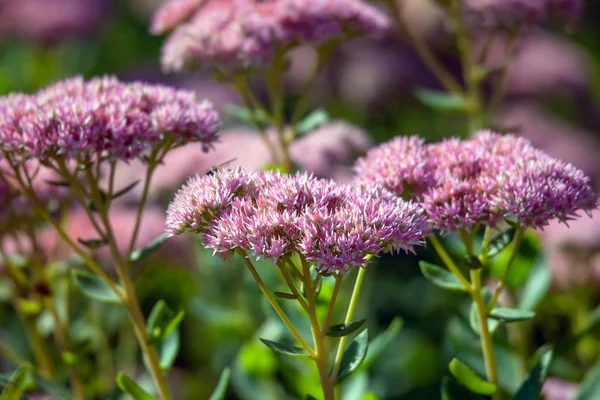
{"points": [[499, 242], [312, 121], [128, 385], [167, 350], [247, 116], [525, 260], [340, 330], [511, 314], [30, 307], [536, 285], [285, 296], [593, 326], [144, 252], [474, 321], [285, 349], [16, 384], [441, 101], [589, 389], [440, 276], [353, 356], [162, 321], [125, 190], [473, 262], [221, 388], [532, 385], [452, 390], [470, 379], [381, 341], [94, 287], [92, 243]]}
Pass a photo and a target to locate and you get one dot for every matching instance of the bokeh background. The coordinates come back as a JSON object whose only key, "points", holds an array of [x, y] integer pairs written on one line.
{"points": [[369, 91]]}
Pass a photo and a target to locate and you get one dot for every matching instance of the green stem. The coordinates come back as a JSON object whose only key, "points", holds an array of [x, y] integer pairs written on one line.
{"points": [[517, 242], [336, 289], [291, 286], [500, 90], [38, 346], [439, 248], [140, 210], [484, 331], [485, 246]]}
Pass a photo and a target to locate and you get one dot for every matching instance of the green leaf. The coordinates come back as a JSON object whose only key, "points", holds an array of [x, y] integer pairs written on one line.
{"points": [[162, 321], [309, 397], [473, 262], [499, 242], [589, 389], [511, 314], [167, 350], [536, 286], [94, 287], [353, 356], [16, 384], [140, 254], [221, 388], [250, 117], [57, 183], [312, 121], [92, 243], [470, 379], [340, 330], [285, 349], [381, 341], [440, 276], [474, 321], [441, 101], [285, 296], [452, 390], [103, 199], [532, 385], [127, 385], [125, 190]]}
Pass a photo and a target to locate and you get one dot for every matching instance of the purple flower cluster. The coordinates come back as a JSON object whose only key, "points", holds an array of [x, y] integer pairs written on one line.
{"points": [[102, 119], [274, 216], [513, 14], [240, 33], [483, 180]]}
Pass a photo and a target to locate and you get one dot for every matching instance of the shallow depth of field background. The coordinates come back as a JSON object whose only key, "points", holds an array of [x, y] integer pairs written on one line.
{"points": [[552, 99]]}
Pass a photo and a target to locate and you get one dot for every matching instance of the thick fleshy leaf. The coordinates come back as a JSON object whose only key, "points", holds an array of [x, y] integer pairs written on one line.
{"points": [[15, 385], [285, 349], [381, 341], [312, 121], [92, 243], [531, 387], [340, 330], [440, 276], [470, 379], [128, 385], [285, 296], [499, 242], [590, 386], [441, 101], [94, 287], [221, 388], [162, 321], [474, 321], [353, 355], [140, 254], [452, 390], [167, 350], [511, 314]]}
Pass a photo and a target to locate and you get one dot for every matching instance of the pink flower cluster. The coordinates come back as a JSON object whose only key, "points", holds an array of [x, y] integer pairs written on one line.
{"points": [[274, 216], [102, 119], [240, 33], [484, 180], [513, 14]]}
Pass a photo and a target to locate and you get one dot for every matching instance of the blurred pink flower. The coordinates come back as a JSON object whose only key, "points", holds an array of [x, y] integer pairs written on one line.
{"points": [[558, 389], [50, 21]]}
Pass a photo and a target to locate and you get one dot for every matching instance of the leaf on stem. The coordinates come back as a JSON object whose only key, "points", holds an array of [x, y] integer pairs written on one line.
{"points": [[353, 356], [162, 321], [285, 349], [128, 385], [474, 320], [144, 252], [473, 262], [250, 117], [511, 314], [285, 296], [441, 101], [381, 341], [221, 388], [167, 350], [103, 199], [58, 183], [532, 385], [499, 242], [94, 287], [340, 330], [16, 384], [469, 379], [92, 243], [312, 121], [125, 190], [452, 390], [440, 277]]}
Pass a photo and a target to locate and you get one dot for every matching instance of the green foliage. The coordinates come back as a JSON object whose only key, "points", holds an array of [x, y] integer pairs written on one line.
{"points": [[531, 387], [525, 260], [144, 252], [16, 384], [452, 390], [440, 277], [590, 386], [511, 314], [162, 321], [167, 350], [285, 296], [312, 121], [285, 349], [470, 379], [474, 321], [128, 385], [381, 341], [353, 355], [340, 330], [221, 388], [441, 101], [500, 242], [92, 243], [94, 287]]}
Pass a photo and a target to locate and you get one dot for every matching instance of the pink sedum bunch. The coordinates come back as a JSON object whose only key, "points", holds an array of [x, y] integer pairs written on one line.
{"points": [[484, 180], [102, 119], [242, 33], [274, 216]]}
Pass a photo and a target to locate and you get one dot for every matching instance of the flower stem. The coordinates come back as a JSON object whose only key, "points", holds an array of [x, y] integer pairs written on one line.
{"points": [[484, 331], [439, 248], [38, 346], [517, 242]]}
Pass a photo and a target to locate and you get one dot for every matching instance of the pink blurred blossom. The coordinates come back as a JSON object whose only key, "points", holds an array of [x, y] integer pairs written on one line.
{"points": [[558, 389]]}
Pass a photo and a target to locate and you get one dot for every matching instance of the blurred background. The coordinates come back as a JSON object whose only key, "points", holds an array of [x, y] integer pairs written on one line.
{"points": [[369, 91]]}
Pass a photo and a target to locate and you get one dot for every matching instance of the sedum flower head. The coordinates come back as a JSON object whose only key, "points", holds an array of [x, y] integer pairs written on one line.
{"points": [[102, 119], [484, 180], [242, 33], [274, 216]]}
